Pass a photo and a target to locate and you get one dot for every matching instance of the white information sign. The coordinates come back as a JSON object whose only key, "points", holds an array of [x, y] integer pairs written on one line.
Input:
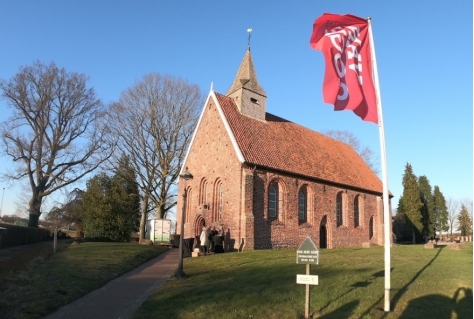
{"points": [[307, 279]]}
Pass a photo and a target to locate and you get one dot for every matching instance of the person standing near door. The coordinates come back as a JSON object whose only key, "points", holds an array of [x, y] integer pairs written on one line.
{"points": [[211, 234], [203, 241]]}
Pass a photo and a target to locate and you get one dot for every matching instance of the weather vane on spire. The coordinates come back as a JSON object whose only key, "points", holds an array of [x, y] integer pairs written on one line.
{"points": [[249, 30]]}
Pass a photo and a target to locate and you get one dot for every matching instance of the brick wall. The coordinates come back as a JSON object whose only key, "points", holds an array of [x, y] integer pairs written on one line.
{"points": [[287, 232]]}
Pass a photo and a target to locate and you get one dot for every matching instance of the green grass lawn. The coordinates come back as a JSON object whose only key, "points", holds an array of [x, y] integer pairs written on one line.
{"points": [[36, 282], [425, 283]]}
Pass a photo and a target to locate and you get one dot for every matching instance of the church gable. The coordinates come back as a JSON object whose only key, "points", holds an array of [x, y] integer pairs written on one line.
{"points": [[211, 130], [213, 138]]}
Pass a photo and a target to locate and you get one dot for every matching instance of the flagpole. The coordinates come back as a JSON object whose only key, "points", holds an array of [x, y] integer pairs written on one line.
{"points": [[386, 212]]}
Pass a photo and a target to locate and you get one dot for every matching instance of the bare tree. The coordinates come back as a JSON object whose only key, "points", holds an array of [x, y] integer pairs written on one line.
{"points": [[52, 136], [364, 152], [453, 208], [69, 212], [152, 124], [22, 199]]}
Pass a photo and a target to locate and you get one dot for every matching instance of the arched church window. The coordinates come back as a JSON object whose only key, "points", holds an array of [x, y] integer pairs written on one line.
{"points": [[273, 201], [356, 211], [302, 206], [339, 209]]}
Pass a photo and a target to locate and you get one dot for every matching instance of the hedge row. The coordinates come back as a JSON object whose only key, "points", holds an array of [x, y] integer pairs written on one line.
{"points": [[13, 235]]}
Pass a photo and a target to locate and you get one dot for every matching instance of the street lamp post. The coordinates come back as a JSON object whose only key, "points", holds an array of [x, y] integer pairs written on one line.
{"points": [[1, 206], [180, 272]]}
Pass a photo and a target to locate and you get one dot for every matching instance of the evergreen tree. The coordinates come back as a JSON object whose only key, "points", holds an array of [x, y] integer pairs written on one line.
{"points": [[464, 221], [427, 210], [410, 203], [96, 209], [440, 211], [401, 228], [111, 205], [127, 203]]}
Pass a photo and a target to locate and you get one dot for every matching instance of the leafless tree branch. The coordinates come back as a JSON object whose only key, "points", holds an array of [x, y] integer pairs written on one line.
{"points": [[55, 134], [364, 152], [152, 123]]}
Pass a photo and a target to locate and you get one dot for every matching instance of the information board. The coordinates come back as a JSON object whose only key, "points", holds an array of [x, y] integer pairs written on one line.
{"points": [[307, 253]]}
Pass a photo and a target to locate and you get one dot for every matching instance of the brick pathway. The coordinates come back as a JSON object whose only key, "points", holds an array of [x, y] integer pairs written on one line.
{"points": [[121, 297]]}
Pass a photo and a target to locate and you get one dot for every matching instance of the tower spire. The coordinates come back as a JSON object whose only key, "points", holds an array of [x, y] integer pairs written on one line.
{"points": [[246, 77], [247, 93]]}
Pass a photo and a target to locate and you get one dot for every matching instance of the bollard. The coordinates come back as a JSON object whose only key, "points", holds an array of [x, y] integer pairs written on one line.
{"points": [[55, 239]]}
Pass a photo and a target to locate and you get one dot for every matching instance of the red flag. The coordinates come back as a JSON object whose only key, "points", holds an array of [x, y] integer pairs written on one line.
{"points": [[348, 83]]}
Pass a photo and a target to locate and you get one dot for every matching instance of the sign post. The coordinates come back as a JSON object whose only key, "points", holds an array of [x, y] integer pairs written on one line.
{"points": [[307, 254], [55, 239]]}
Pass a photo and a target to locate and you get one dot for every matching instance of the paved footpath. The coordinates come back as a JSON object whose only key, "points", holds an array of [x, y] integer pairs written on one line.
{"points": [[120, 298]]}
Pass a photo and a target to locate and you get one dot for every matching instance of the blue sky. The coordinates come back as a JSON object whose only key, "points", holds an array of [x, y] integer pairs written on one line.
{"points": [[424, 57]]}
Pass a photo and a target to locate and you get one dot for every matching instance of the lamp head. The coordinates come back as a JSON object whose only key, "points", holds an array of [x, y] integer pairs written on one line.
{"points": [[186, 175]]}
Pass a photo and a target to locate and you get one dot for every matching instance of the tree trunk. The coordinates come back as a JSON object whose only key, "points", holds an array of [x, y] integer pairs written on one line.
{"points": [[143, 217], [160, 211], [33, 220], [34, 209]]}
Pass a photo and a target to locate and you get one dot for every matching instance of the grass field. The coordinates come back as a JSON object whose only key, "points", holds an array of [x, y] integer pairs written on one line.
{"points": [[37, 282], [425, 283]]}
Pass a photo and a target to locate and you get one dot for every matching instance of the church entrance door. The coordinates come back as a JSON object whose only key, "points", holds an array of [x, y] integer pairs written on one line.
{"points": [[323, 234]]}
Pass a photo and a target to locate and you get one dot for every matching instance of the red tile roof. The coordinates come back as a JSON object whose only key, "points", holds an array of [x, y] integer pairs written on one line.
{"points": [[285, 146]]}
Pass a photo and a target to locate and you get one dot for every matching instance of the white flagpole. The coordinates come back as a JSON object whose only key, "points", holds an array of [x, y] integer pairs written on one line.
{"points": [[386, 212]]}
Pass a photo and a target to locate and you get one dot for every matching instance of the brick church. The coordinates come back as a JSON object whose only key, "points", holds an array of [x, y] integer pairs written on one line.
{"points": [[270, 182]]}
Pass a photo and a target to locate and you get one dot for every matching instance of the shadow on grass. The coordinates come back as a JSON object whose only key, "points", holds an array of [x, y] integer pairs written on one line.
{"points": [[348, 308], [399, 294], [431, 306], [359, 284], [439, 306]]}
